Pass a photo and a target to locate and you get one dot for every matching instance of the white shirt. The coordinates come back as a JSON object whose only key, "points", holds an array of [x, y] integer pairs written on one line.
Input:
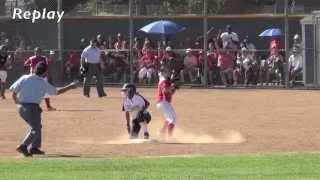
{"points": [[246, 63], [91, 55], [295, 61], [133, 105], [228, 38]]}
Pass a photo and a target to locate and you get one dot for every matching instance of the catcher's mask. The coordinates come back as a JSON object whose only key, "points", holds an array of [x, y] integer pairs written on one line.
{"points": [[128, 90]]}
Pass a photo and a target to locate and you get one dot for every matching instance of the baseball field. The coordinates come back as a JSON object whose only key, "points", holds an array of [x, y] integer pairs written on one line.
{"points": [[221, 134]]}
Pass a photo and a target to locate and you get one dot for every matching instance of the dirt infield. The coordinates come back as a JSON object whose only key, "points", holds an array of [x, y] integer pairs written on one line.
{"points": [[209, 121]]}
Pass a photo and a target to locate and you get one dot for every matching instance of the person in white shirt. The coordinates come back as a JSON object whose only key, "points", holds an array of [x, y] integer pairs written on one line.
{"points": [[230, 39], [295, 64], [135, 107], [91, 66], [190, 66]]}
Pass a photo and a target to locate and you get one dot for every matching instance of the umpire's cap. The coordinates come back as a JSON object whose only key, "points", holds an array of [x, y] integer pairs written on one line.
{"points": [[41, 68]]}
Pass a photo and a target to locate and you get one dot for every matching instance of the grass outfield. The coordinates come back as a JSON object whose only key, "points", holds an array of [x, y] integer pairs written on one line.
{"points": [[275, 166]]}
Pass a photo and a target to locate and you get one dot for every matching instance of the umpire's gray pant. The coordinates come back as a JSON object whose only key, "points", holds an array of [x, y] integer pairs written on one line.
{"points": [[31, 113], [93, 70]]}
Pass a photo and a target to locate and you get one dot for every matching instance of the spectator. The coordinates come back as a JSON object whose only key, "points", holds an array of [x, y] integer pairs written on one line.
{"points": [[249, 45], [230, 39], [275, 67], [120, 44], [238, 72], [73, 65], [297, 43], [101, 43], [249, 68], [191, 66], [147, 67], [295, 65], [168, 59], [225, 63]]}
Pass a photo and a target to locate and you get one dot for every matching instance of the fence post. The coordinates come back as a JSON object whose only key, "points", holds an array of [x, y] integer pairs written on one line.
{"points": [[60, 40], [287, 48], [205, 39], [130, 42]]}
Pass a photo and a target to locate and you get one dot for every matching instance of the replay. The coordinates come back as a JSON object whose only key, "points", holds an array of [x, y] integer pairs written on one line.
{"points": [[36, 15]]}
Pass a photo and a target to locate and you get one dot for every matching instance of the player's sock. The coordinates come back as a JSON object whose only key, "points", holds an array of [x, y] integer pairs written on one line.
{"points": [[170, 129], [47, 100]]}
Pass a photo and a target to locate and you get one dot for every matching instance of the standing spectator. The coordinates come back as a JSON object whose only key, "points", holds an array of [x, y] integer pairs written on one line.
{"points": [[191, 67], [3, 69], [90, 64], [225, 63], [121, 59], [230, 39], [295, 65]]}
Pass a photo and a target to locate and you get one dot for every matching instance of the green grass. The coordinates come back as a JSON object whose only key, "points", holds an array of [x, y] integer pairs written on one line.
{"points": [[275, 166]]}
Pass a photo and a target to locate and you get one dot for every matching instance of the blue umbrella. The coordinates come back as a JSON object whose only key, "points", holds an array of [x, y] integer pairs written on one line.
{"points": [[271, 32], [162, 27]]}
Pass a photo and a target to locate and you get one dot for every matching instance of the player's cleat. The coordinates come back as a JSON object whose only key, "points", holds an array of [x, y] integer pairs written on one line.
{"points": [[146, 135], [103, 95], [23, 150], [37, 151], [51, 109]]}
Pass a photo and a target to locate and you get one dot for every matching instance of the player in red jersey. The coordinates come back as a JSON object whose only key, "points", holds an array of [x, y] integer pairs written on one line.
{"points": [[165, 91], [32, 63]]}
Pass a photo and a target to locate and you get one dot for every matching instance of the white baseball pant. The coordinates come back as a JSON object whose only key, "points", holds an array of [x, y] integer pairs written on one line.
{"points": [[146, 72], [168, 111]]}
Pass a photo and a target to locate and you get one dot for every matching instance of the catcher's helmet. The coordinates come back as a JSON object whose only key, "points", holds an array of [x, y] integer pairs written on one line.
{"points": [[130, 89]]}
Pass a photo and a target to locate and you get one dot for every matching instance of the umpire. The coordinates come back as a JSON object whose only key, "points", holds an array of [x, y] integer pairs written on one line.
{"points": [[91, 66], [28, 91]]}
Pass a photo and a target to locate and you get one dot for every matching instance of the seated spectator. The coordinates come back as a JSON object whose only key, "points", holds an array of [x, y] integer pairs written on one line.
{"points": [[168, 58], [225, 63], [190, 67], [238, 72], [249, 68], [230, 39], [295, 65], [297, 43], [120, 44], [275, 67], [147, 67]]}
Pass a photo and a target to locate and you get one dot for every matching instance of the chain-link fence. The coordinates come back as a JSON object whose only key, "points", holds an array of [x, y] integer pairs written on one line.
{"points": [[67, 40]]}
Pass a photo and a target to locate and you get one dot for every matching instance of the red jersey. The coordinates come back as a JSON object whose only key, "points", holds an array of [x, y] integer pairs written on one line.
{"points": [[160, 94], [147, 60], [34, 60]]}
